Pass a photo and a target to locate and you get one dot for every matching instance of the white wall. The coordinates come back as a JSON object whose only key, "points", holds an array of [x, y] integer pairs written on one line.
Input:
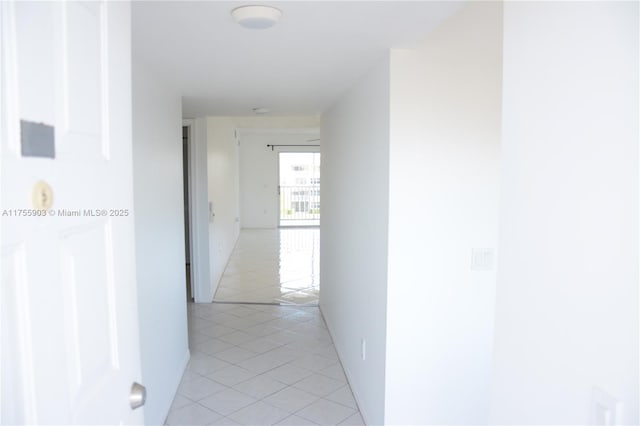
{"points": [[353, 233], [567, 305], [444, 180], [159, 234], [259, 201]]}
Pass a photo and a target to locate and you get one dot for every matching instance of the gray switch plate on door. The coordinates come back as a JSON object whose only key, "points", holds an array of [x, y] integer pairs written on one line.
{"points": [[37, 139]]}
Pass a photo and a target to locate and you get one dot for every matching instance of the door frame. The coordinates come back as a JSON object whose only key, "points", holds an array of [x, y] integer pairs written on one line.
{"points": [[188, 123], [201, 289]]}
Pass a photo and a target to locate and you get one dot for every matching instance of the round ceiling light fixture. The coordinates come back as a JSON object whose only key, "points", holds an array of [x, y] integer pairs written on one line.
{"points": [[256, 17]]}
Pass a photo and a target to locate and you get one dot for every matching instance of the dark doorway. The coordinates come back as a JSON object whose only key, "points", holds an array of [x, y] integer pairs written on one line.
{"points": [[187, 229]]}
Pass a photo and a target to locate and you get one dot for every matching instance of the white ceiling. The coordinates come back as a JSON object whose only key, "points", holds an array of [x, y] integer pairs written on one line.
{"points": [[300, 66]]}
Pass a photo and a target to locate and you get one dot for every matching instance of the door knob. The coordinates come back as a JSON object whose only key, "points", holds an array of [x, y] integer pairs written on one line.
{"points": [[138, 395]]}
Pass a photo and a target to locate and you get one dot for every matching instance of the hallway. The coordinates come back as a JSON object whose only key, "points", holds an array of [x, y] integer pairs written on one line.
{"points": [[261, 365]]}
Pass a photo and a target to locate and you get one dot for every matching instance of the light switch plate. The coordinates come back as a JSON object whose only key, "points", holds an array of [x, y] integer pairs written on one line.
{"points": [[482, 259]]}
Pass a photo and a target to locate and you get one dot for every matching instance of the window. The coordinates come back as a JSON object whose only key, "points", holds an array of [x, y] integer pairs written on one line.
{"points": [[299, 180], [300, 206]]}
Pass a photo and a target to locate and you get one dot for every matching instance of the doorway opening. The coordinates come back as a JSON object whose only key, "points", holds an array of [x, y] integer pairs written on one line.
{"points": [[299, 188], [186, 172]]}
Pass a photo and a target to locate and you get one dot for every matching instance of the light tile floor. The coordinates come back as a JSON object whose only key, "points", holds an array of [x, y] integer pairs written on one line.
{"points": [[273, 266], [262, 365]]}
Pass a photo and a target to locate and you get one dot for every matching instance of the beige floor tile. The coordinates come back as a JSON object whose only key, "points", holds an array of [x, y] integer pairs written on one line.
{"points": [[260, 386], [199, 388], [235, 355], [295, 421], [180, 401], [313, 362], [291, 399], [343, 396], [204, 364], [335, 372], [319, 385], [260, 345], [255, 364], [289, 374], [210, 347], [259, 414], [192, 414], [225, 421], [227, 402], [231, 375], [237, 337], [326, 412], [353, 420]]}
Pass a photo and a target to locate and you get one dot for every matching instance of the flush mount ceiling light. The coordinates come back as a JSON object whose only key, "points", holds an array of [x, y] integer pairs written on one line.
{"points": [[261, 110], [256, 17]]}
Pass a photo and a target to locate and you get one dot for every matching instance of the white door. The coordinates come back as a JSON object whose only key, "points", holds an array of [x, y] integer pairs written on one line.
{"points": [[70, 349]]}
